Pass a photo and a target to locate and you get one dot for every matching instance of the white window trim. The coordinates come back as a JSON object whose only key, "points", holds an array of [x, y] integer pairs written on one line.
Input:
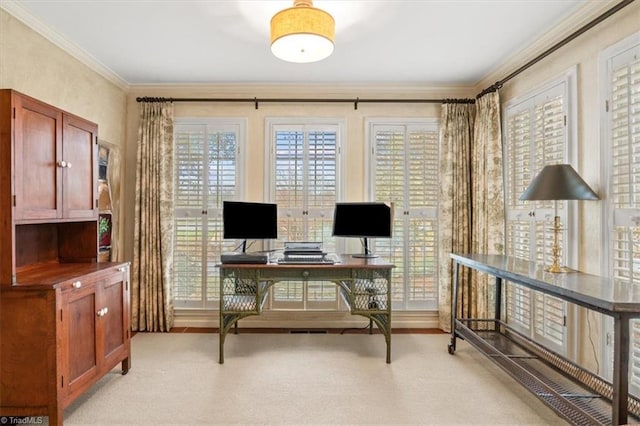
{"points": [[603, 71], [315, 123], [235, 123], [241, 158], [369, 123], [431, 124], [604, 58], [269, 130], [570, 78]]}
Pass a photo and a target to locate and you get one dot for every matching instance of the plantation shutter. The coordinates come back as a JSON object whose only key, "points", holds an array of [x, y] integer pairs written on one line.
{"points": [[623, 134], [536, 136], [405, 172], [205, 175], [305, 191]]}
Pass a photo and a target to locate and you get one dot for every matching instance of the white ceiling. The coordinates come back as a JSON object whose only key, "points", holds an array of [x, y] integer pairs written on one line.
{"points": [[440, 42]]}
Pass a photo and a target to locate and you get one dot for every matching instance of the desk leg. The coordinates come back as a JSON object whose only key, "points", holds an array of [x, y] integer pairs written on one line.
{"points": [[498, 303], [221, 340], [221, 357], [620, 370], [389, 350], [383, 321], [454, 307]]}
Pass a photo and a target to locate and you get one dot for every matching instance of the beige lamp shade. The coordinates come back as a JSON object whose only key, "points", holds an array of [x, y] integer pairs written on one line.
{"points": [[302, 33]]}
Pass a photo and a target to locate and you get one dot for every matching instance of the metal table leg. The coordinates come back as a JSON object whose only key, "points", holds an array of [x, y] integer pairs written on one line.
{"points": [[454, 307], [620, 370]]}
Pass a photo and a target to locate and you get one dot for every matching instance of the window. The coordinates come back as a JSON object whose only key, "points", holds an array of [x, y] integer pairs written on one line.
{"points": [[621, 154], [538, 131], [207, 162], [304, 161], [403, 169]]}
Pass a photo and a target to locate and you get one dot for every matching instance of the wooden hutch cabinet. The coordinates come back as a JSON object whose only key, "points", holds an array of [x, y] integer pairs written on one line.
{"points": [[64, 317]]}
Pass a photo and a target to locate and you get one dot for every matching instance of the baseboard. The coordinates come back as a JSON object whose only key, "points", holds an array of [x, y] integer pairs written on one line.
{"points": [[264, 330], [307, 320]]}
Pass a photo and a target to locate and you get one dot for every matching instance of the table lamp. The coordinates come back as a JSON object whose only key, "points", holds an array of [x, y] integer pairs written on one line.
{"points": [[558, 182]]}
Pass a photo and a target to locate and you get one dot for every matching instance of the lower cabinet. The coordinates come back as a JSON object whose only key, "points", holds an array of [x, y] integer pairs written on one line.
{"points": [[62, 328]]}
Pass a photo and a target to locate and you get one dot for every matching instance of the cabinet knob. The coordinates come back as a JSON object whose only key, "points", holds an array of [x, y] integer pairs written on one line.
{"points": [[122, 269], [305, 274], [68, 165], [102, 312], [62, 164], [77, 284]]}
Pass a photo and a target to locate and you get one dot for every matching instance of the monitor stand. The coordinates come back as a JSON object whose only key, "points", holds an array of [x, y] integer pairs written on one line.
{"points": [[367, 253]]}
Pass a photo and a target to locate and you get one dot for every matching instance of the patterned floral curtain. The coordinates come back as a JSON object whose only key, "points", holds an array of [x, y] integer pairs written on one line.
{"points": [[152, 268], [488, 199], [471, 207], [456, 132]]}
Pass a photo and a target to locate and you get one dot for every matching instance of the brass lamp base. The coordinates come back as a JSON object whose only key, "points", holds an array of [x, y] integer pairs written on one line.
{"points": [[558, 269], [555, 267]]}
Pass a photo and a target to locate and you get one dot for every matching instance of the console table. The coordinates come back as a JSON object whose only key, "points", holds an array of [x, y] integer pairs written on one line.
{"points": [[576, 394], [364, 285]]}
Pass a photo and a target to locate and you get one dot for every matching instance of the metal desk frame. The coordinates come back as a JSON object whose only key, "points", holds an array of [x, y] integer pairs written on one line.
{"points": [[364, 285], [618, 300]]}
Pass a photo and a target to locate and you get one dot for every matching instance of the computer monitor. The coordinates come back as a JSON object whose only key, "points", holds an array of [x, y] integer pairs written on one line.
{"points": [[363, 220], [249, 221]]}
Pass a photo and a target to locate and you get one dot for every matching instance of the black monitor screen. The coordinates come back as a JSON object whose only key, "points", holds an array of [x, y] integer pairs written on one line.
{"points": [[249, 221], [362, 220]]}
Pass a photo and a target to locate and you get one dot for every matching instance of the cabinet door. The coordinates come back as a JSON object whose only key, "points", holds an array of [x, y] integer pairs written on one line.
{"points": [[79, 172], [113, 317], [37, 136], [80, 365]]}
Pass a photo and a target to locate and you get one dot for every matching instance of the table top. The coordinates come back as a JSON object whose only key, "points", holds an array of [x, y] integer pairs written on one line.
{"points": [[344, 261], [605, 295]]}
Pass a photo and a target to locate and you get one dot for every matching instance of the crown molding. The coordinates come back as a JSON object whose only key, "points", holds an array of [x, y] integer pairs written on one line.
{"points": [[17, 10], [557, 32], [303, 90]]}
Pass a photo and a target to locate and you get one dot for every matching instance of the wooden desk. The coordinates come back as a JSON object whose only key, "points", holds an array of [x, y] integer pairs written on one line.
{"points": [[584, 399], [364, 285]]}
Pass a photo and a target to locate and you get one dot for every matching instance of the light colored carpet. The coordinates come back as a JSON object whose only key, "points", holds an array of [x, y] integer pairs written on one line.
{"points": [[306, 379]]}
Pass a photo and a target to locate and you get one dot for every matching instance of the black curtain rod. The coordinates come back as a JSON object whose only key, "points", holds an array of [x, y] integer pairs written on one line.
{"points": [[498, 84], [356, 101]]}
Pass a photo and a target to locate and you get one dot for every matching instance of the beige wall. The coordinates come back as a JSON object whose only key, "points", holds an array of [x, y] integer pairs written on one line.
{"points": [[32, 65]]}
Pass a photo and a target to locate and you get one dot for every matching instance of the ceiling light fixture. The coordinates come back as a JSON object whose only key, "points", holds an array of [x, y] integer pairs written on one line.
{"points": [[302, 33]]}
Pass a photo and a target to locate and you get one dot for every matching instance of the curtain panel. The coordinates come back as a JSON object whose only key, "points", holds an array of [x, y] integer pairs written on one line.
{"points": [[488, 222], [471, 209], [152, 267], [454, 207]]}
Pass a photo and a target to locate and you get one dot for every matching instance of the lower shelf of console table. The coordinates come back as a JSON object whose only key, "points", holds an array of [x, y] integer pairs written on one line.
{"points": [[576, 394]]}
